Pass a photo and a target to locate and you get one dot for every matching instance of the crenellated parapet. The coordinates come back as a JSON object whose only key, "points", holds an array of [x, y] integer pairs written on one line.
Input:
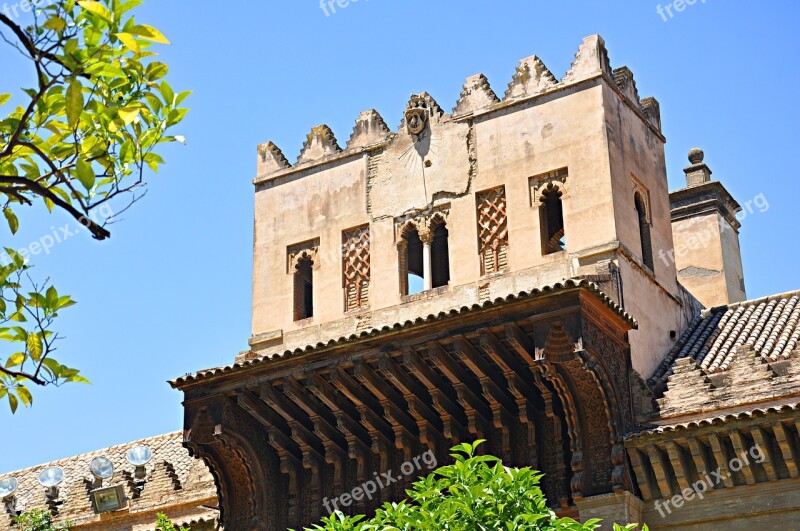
{"points": [[476, 95], [531, 80], [271, 159], [370, 129], [623, 77], [590, 61], [320, 144]]}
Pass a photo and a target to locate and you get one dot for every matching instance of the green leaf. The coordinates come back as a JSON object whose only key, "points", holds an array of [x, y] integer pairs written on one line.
{"points": [[128, 114], [156, 70], [85, 174], [13, 402], [106, 70], [74, 103], [52, 297], [129, 41], [25, 395], [120, 8], [4, 98], [55, 23], [13, 222], [167, 93], [64, 302], [149, 33], [97, 8], [15, 360], [35, 346]]}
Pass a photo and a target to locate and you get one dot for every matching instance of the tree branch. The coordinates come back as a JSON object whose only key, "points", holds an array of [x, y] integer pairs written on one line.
{"points": [[98, 232]]}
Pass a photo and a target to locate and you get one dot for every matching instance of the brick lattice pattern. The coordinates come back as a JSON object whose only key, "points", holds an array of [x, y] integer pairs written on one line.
{"points": [[492, 230], [355, 268]]}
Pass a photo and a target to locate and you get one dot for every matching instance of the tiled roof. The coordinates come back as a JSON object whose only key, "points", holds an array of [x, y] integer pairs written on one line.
{"points": [[719, 419], [770, 327], [173, 478], [567, 285]]}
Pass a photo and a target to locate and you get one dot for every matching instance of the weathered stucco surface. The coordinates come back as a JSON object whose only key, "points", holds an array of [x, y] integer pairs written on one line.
{"points": [[590, 128]]}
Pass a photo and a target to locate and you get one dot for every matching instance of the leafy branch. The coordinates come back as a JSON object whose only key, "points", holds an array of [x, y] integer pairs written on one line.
{"points": [[90, 129]]}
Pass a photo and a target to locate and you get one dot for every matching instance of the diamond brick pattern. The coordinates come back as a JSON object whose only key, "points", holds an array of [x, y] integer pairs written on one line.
{"points": [[356, 268], [492, 230]]}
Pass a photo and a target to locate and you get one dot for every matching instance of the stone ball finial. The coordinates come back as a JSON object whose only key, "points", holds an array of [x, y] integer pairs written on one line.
{"points": [[696, 156]]}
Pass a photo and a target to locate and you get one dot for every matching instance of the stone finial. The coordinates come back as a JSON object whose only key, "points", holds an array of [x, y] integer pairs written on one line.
{"points": [[532, 77], [320, 143], [477, 94], [271, 159], [697, 172], [652, 111], [623, 77], [369, 129], [591, 60]]}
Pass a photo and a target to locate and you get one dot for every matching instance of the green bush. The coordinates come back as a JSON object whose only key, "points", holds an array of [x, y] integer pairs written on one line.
{"points": [[474, 493], [165, 524], [38, 520]]}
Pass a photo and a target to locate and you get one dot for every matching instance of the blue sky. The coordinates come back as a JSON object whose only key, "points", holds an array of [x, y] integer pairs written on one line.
{"points": [[170, 292]]}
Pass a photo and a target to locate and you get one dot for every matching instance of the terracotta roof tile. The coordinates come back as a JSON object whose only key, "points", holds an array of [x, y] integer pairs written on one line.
{"points": [[555, 288], [767, 326], [717, 420]]}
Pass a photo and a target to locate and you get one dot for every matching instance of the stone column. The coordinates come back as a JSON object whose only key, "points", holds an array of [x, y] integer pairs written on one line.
{"points": [[427, 238]]}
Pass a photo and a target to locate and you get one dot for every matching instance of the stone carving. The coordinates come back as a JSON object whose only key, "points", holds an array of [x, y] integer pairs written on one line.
{"points": [[424, 222], [418, 113], [409, 175], [302, 251], [554, 179]]}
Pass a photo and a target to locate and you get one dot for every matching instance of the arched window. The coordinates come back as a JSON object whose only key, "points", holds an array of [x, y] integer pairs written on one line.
{"points": [[644, 231], [411, 267], [440, 255], [304, 289], [551, 220]]}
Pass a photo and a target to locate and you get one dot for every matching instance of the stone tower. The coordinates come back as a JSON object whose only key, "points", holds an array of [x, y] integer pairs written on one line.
{"points": [[706, 232], [558, 180], [488, 273]]}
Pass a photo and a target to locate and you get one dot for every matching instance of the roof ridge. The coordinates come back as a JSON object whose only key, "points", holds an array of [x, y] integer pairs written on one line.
{"points": [[106, 449], [566, 284], [749, 302]]}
